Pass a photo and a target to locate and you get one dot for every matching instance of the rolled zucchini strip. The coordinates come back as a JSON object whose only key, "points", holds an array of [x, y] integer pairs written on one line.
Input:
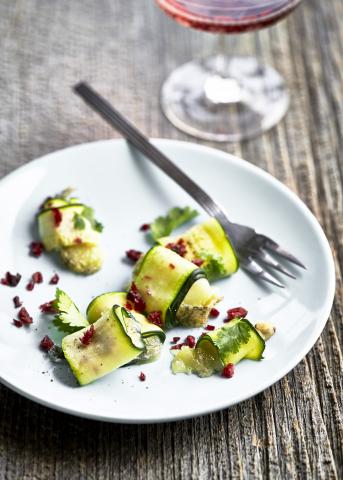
{"points": [[113, 341], [207, 242], [175, 287], [153, 336], [231, 343], [69, 227]]}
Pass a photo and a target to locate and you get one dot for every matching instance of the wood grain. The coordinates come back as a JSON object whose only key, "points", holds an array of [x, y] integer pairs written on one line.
{"points": [[292, 430]]}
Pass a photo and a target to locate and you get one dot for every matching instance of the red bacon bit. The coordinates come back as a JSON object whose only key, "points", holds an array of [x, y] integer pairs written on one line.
{"points": [[144, 227], [198, 262], [177, 347], [179, 247], [54, 279], [155, 318], [17, 323], [237, 312], [210, 327], [190, 341], [214, 313], [36, 249], [24, 316], [30, 286], [78, 241], [10, 279], [133, 255], [46, 343], [228, 370], [172, 266], [17, 302], [48, 307], [37, 277], [142, 377], [136, 298], [175, 339], [87, 336], [57, 214]]}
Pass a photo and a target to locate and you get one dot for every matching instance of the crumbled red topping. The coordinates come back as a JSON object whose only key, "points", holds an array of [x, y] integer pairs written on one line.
{"points": [[172, 266], [237, 312], [214, 313], [179, 247], [46, 343], [17, 323], [142, 377], [24, 316], [155, 318], [128, 306], [210, 327], [190, 341], [136, 298], [37, 277], [175, 339], [30, 286], [17, 302], [10, 279], [36, 249], [144, 227], [228, 370], [87, 336], [48, 307], [133, 255], [57, 214], [78, 241], [177, 347], [198, 262], [54, 279]]}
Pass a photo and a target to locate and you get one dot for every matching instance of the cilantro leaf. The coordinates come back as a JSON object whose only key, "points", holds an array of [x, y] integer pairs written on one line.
{"points": [[232, 338], [79, 222], [213, 264], [68, 318], [88, 213], [163, 226]]}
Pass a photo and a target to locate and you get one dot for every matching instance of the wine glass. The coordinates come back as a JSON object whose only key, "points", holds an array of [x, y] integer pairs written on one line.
{"points": [[221, 97]]}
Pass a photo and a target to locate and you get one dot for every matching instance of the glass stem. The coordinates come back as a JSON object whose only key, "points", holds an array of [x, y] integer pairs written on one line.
{"points": [[220, 87]]}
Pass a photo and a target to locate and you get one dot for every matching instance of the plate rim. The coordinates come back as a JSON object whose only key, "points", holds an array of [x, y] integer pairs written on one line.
{"points": [[295, 360]]}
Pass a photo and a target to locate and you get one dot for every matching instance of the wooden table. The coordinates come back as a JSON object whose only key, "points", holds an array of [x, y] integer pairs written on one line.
{"points": [[125, 49]]}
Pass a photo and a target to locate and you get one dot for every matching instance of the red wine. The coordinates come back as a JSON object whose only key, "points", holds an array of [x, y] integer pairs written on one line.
{"points": [[227, 16]]}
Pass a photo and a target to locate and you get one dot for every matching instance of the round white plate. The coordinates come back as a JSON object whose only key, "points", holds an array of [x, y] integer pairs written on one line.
{"points": [[127, 191]]}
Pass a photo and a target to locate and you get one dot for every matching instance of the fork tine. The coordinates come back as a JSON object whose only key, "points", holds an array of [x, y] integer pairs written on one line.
{"points": [[267, 259], [275, 248], [255, 269]]}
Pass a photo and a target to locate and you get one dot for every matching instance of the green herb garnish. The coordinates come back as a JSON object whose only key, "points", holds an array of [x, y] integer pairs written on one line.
{"points": [[68, 318], [79, 222], [163, 226]]}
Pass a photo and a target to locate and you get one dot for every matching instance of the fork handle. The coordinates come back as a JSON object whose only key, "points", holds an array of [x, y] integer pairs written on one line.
{"points": [[142, 143]]}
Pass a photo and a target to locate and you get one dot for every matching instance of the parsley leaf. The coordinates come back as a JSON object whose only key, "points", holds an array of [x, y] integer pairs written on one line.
{"points": [[232, 338], [213, 265], [163, 226], [79, 222], [68, 318], [88, 213]]}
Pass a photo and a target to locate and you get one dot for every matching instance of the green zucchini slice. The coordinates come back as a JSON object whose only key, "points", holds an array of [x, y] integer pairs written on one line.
{"points": [[231, 343], [175, 287], [153, 336], [209, 243], [116, 342]]}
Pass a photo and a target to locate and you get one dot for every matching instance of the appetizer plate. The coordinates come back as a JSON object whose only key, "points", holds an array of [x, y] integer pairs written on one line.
{"points": [[126, 191]]}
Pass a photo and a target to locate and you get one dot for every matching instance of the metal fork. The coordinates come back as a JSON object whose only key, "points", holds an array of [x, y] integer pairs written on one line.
{"points": [[253, 249]]}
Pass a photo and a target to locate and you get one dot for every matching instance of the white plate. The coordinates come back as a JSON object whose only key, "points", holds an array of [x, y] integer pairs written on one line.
{"points": [[127, 191]]}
